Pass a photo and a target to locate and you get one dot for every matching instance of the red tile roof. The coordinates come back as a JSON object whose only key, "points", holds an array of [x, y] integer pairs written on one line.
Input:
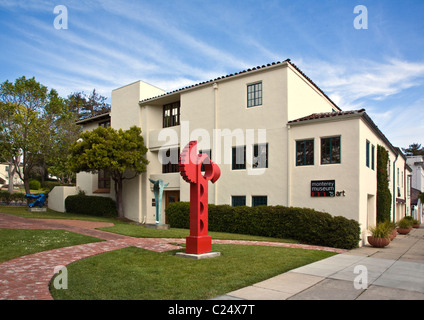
{"points": [[287, 61], [323, 115]]}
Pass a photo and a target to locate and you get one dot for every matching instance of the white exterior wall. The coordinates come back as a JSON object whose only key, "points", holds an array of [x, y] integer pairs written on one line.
{"points": [[58, 195], [356, 182], [416, 163], [346, 174]]}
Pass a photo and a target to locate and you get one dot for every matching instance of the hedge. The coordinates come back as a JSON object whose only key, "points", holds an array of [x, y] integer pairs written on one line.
{"points": [[7, 197], [91, 205], [302, 224]]}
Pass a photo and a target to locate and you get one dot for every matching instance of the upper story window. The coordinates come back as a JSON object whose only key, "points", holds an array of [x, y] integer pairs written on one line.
{"points": [[209, 153], [254, 94], [305, 153], [171, 114], [367, 154], [260, 156], [239, 158], [169, 160], [330, 150]]}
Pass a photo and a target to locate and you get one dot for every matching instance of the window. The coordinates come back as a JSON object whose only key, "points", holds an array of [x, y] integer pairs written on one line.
{"points": [[398, 176], [254, 94], [373, 157], [209, 153], [238, 201], [305, 153], [239, 156], [260, 156], [171, 114], [170, 160], [259, 201], [104, 124], [330, 150], [103, 179], [367, 160]]}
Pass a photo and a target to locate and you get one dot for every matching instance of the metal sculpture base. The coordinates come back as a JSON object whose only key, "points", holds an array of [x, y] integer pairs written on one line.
{"points": [[35, 209], [157, 226], [206, 255]]}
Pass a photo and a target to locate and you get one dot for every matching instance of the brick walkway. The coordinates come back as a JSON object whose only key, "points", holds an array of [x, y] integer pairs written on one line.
{"points": [[28, 277]]}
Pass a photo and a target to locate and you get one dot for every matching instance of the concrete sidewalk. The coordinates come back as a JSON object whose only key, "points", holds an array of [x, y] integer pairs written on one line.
{"points": [[395, 272]]}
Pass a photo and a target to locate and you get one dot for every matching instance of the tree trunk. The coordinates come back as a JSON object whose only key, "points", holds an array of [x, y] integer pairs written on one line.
{"points": [[26, 186], [119, 197], [11, 174]]}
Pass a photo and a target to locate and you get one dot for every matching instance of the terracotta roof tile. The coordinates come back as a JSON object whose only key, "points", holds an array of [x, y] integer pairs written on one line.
{"points": [[242, 72], [323, 115]]}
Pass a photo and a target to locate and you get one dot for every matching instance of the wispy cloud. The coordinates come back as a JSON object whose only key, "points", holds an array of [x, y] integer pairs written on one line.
{"points": [[350, 83]]}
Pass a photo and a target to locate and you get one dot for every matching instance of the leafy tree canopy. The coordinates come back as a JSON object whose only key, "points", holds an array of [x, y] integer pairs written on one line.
{"points": [[120, 152]]}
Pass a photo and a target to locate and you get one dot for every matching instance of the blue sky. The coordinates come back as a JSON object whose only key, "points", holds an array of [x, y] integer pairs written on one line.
{"points": [[172, 44]]}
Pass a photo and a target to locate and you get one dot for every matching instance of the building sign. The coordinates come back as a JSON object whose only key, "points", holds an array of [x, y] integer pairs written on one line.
{"points": [[323, 188]]}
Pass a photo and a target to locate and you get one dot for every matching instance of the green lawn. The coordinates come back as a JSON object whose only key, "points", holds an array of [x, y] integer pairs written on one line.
{"points": [[16, 242], [130, 228], [137, 274], [133, 273]]}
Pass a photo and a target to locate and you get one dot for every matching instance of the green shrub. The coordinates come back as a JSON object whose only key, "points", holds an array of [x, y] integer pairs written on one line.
{"points": [[49, 185], [305, 225], [91, 205], [405, 223], [34, 184], [5, 196]]}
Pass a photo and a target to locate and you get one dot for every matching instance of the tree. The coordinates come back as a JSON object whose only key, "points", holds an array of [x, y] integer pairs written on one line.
{"points": [[120, 152], [414, 149], [29, 116], [84, 106]]}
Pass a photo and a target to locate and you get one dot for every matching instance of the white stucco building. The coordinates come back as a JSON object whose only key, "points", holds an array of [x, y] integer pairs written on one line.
{"points": [[277, 137], [416, 163]]}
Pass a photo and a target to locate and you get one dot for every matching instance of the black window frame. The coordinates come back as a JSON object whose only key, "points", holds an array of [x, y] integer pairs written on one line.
{"points": [[236, 165], [171, 114], [237, 201], [305, 156], [331, 150], [259, 163], [254, 94], [171, 167], [258, 201]]}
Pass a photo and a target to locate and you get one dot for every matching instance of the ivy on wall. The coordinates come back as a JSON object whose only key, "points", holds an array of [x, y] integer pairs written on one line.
{"points": [[384, 197]]}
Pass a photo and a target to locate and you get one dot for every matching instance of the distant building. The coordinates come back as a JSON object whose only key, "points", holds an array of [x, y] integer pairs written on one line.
{"points": [[416, 163], [5, 179]]}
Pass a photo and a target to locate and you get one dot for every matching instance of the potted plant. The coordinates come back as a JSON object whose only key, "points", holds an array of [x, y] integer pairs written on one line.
{"points": [[404, 226], [380, 235], [392, 229], [415, 223]]}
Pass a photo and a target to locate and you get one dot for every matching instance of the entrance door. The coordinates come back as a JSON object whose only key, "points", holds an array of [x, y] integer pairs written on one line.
{"points": [[171, 197]]}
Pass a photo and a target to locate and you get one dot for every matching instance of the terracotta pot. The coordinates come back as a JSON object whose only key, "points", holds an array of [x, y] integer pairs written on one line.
{"points": [[378, 242], [416, 225], [403, 230], [393, 234]]}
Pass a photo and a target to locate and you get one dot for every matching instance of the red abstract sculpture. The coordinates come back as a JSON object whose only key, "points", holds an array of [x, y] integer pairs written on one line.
{"points": [[190, 164]]}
